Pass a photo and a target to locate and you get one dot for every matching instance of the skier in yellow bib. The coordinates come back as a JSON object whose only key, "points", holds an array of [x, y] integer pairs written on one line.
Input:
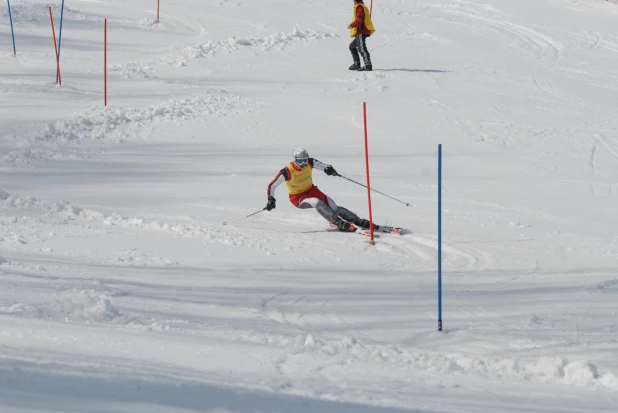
{"points": [[298, 176], [360, 29]]}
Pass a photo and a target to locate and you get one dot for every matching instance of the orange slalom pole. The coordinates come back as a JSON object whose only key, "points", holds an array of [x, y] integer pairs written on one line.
{"points": [[367, 164], [51, 18], [371, 8]]}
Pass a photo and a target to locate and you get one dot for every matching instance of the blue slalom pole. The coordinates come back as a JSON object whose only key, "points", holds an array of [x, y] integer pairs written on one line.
{"points": [[12, 32], [60, 36], [440, 237]]}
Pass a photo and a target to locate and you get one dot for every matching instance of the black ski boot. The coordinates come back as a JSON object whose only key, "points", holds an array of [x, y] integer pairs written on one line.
{"points": [[343, 225], [364, 224], [367, 68], [355, 66]]}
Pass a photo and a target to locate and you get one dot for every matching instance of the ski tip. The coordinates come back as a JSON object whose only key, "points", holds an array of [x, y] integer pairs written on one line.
{"points": [[391, 230]]}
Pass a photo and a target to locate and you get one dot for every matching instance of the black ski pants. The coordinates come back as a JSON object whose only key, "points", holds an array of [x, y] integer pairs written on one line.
{"points": [[358, 46]]}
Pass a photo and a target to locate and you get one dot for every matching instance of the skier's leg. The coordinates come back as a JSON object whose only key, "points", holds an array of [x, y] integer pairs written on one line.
{"points": [[323, 209], [326, 211], [325, 206], [362, 47], [348, 215], [329, 201], [342, 212], [365, 224], [354, 50]]}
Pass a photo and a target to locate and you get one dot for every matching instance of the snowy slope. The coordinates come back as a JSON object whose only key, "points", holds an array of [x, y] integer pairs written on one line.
{"points": [[123, 292]]}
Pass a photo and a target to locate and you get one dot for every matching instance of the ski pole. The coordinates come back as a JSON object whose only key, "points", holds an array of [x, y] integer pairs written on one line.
{"points": [[60, 37], [12, 32], [381, 193], [250, 215]]}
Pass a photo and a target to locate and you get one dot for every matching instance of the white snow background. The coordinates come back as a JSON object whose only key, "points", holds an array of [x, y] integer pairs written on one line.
{"points": [[121, 290]]}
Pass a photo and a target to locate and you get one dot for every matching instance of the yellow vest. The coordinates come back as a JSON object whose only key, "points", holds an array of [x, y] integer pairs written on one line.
{"points": [[368, 23], [300, 181]]}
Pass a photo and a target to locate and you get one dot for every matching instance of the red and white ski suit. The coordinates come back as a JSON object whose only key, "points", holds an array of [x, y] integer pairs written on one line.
{"points": [[303, 194]]}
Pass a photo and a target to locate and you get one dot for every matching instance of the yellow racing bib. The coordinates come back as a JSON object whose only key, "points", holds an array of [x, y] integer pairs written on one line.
{"points": [[300, 181]]}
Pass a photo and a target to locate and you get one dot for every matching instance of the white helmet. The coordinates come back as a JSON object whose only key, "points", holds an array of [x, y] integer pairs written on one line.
{"points": [[301, 157]]}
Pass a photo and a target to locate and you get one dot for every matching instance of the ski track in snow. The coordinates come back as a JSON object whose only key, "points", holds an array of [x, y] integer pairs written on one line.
{"points": [[51, 216], [603, 141], [182, 56], [531, 40], [607, 6]]}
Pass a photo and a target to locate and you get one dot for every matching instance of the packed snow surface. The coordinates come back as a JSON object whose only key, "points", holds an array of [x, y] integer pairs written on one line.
{"points": [[122, 290]]}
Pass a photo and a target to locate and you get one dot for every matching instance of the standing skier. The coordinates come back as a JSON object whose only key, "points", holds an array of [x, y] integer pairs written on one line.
{"points": [[303, 194], [360, 28]]}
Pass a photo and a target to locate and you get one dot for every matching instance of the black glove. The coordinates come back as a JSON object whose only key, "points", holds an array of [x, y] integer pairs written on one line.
{"points": [[272, 203], [329, 170]]}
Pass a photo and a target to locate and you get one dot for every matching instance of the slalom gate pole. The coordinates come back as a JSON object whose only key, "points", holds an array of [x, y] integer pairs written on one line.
{"points": [[440, 237], [247, 216], [12, 32], [372, 241], [60, 37], [105, 61], [371, 8], [51, 18], [158, 9], [375, 190]]}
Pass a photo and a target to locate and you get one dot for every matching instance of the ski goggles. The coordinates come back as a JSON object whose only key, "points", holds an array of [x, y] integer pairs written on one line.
{"points": [[301, 161]]}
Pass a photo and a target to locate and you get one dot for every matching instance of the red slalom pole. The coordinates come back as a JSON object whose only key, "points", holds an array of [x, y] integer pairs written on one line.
{"points": [[51, 18], [105, 60], [159, 8], [367, 164], [371, 8]]}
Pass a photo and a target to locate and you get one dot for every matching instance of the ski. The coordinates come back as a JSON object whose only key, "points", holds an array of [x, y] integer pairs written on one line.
{"points": [[358, 231], [366, 233], [353, 228], [389, 230], [381, 228]]}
